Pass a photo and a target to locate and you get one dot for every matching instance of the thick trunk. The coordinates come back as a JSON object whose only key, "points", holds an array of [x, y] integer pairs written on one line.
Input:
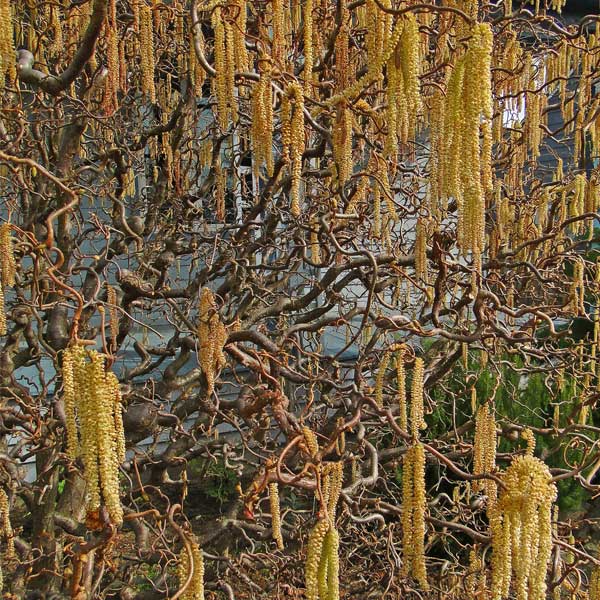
{"points": [[46, 548]]}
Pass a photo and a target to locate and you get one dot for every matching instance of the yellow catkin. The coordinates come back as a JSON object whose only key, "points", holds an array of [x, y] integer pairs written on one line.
{"points": [[308, 46], [7, 48], [314, 555], [484, 450], [322, 573], [112, 81], [315, 245], [468, 112], [221, 77], [5, 524], [333, 565], [475, 567], [558, 5], [310, 440], [87, 413], [115, 392], [279, 45], [387, 194], [7, 256], [376, 229], [275, 514], [521, 526], [295, 141], [3, 323], [421, 249], [230, 66], [108, 465], [220, 189], [436, 166], [69, 404], [408, 55], [261, 128], [195, 589], [147, 52], [197, 72], [322, 559], [111, 299], [401, 383], [334, 475], [413, 515], [90, 394], [529, 437], [578, 288], [594, 593], [380, 379], [239, 35], [417, 420], [212, 336]]}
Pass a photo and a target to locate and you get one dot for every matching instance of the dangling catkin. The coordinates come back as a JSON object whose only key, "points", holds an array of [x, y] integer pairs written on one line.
{"points": [[594, 593], [261, 128], [310, 439], [212, 336], [421, 250], [221, 68], [69, 404], [108, 459], [5, 525], [7, 47], [380, 379], [112, 57], [147, 51], [111, 299], [521, 526], [2, 312], [195, 590], [275, 514], [308, 46], [239, 36], [413, 515], [529, 437], [91, 395], [294, 141], [114, 392], [484, 450], [279, 52], [417, 421], [465, 172], [7, 256], [401, 383], [314, 555], [322, 558]]}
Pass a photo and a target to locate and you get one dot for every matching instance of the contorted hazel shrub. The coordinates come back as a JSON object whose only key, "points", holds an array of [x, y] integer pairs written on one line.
{"points": [[521, 524]]}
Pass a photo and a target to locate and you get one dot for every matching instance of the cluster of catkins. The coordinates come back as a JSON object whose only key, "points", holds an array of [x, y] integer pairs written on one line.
{"points": [[322, 557], [92, 398], [212, 336]]}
